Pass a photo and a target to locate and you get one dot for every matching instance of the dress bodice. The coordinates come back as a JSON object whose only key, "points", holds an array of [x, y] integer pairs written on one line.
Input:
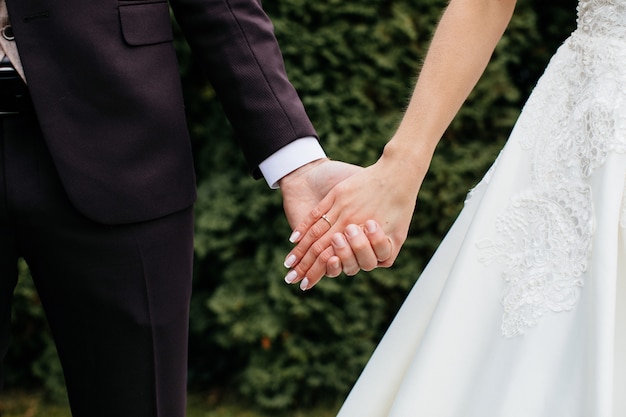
{"points": [[602, 18]]}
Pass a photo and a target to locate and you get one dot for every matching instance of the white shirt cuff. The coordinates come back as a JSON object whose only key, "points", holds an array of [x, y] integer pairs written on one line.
{"points": [[289, 158]]}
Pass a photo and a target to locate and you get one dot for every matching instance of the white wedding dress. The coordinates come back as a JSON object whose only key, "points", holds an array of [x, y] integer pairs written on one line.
{"points": [[522, 310]]}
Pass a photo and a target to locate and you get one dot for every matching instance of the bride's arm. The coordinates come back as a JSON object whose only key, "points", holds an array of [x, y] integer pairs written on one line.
{"points": [[387, 191]]}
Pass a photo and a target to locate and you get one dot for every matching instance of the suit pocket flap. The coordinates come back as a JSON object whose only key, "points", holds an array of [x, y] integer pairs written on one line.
{"points": [[145, 23]]}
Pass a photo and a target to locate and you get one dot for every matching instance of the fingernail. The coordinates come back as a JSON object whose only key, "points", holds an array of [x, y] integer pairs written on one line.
{"points": [[370, 225], [335, 265], [339, 241], [294, 236], [291, 276], [352, 230], [304, 284], [291, 259]]}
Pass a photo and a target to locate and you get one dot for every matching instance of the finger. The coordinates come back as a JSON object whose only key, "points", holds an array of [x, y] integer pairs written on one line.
{"points": [[333, 267], [316, 272], [313, 243], [360, 245], [312, 218], [395, 249], [343, 250], [292, 277], [395, 243], [379, 241]]}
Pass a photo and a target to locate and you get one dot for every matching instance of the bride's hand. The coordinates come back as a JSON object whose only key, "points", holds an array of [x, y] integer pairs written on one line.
{"points": [[358, 248], [385, 191]]}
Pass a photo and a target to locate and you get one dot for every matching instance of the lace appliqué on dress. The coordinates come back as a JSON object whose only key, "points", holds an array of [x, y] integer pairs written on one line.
{"points": [[544, 252], [573, 120]]}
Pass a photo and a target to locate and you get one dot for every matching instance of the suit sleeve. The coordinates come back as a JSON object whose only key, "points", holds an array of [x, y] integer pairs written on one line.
{"points": [[235, 44]]}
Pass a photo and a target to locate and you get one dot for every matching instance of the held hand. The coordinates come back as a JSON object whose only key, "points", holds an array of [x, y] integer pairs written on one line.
{"points": [[305, 187], [359, 248], [385, 191]]}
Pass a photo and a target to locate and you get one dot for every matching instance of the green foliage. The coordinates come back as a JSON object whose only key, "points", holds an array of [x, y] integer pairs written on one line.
{"points": [[25, 404], [354, 63], [33, 361]]}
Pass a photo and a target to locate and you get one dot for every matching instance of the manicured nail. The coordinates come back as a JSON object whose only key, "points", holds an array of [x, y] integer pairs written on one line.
{"points": [[294, 236], [291, 259], [291, 276], [370, 225], [339, 241], [352, 230], [304, 284]]}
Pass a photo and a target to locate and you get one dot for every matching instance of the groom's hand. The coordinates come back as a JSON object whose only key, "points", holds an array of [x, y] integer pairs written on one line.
{"points": [[305, 187], [302, 191]]}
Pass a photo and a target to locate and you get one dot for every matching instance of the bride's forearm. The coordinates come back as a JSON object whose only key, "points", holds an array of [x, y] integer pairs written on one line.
{"points": [[460, 50]]}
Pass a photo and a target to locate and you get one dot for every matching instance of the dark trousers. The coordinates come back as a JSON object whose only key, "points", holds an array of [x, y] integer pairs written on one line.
{"points": [[116, 297]]}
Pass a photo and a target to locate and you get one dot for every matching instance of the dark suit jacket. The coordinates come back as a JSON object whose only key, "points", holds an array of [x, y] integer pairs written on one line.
{"points": [[105, 84]]}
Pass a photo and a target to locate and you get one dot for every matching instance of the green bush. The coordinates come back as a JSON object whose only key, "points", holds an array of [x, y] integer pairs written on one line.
{"points": [[32, 361], [354, 63]]}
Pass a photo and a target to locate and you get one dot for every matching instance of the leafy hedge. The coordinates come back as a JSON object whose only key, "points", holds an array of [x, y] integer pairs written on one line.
{"points": [[353, 63]]}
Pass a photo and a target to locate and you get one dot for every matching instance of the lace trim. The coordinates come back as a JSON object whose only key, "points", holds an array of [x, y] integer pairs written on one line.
{"points": [[544, 252], [602, 17], [573, 120]]}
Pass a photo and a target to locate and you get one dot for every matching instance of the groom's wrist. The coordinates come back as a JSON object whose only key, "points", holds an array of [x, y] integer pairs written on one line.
{"points": [[290, 158], [295, 176]]}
